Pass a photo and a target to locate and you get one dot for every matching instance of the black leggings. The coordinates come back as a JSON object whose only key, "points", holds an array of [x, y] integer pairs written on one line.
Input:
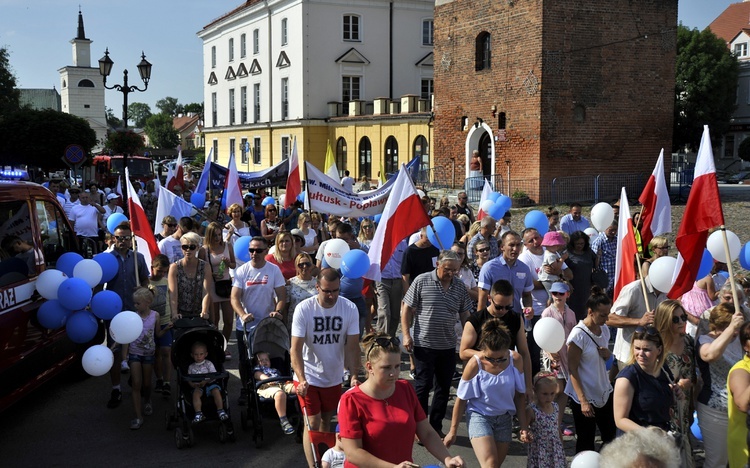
{"points": [[586, 427]]}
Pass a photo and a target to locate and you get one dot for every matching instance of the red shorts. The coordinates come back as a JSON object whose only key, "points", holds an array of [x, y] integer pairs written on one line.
{"points": [[320, 399]]}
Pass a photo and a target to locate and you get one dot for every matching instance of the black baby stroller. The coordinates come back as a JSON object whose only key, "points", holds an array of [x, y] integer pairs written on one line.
{"points": [[186, 333], [271, 336]]}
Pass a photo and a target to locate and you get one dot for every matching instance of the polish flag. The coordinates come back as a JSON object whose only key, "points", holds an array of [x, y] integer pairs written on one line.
{"points": [[144, 237], [169, 204], [232, 188], [702, 212], [293, 184], [177, 177], [626, 248], [656, 215], [486, 191], [402, 216]]}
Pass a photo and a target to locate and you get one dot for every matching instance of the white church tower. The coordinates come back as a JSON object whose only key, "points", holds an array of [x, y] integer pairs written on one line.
{"points": [[81, 87]]}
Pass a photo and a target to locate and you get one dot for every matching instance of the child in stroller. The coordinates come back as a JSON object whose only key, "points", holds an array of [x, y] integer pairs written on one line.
{"points": [[207, 386], [276, 390]]}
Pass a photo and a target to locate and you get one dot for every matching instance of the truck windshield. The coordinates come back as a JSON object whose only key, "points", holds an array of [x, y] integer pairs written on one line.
{"points": [[138, 167]]}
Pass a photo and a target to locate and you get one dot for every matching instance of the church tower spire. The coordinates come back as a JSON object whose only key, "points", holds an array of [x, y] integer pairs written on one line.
{"points": [[81, 45], [81, 33]]}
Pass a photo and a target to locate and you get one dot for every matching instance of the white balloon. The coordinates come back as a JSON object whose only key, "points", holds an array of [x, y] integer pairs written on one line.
{"points": [[89, 271], [602, 216], [715, 245], [97, 360], [549, 334], [49, 282], [126, 327], [335, 251], [282, 200], [591, 232], [585, 459], [485, 205], [661, 272]]}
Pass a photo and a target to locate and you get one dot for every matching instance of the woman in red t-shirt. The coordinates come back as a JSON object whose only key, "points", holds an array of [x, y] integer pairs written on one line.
{"points": [[378, 419]]}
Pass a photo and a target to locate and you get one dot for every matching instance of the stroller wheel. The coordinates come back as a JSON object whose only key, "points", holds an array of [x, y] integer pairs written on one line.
{"points": [[230, 430], [243, 420], [223, 436], [179, 441]]}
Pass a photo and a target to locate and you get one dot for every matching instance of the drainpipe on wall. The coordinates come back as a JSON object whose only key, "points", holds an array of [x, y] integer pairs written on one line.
{"points": [[390, 49]]}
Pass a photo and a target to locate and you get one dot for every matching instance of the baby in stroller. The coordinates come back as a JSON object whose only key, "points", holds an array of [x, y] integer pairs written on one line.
{"points": [[201, 365], [276, 391]]}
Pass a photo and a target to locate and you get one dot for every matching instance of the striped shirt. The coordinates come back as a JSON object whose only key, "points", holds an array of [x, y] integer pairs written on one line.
{"points": [[436, 310]]}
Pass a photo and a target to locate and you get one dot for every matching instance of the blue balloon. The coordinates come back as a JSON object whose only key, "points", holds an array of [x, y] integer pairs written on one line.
{"points": [[81, 326], [67, 262], [268, 201], [707, 262], [608, 363], [240, 248], [377, 217], [198, 200], [109, 265], [537, 220], [745, 256], [355, 264], [695, 428], [445, 231], [52, 315], [74, 293], [497, 210], [301, 196], [493, 196], [724, 274], [505, 202], [114, 220], [106, 304]]}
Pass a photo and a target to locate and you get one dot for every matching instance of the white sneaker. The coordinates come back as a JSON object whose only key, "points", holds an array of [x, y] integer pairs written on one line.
{"points": [[124, 367]]}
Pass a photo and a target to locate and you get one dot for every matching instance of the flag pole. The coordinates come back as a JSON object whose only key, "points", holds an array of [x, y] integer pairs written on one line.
{"points": [[735, 296]]}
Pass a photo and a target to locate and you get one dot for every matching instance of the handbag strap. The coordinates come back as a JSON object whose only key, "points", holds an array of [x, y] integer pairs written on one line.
{"points": [[589, 335]]}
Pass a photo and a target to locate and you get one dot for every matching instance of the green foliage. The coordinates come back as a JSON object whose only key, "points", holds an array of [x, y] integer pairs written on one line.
{"points": [[112, 121], [161, 132], [124, 142], [138, 113], [9, 94], [705, 87], [39, 137], [169, 106], [194, 107], [744, 150], [519, 194]]}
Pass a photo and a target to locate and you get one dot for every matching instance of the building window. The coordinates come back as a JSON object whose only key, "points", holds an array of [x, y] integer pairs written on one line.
{"points": [[350, 87], [484, 51], [740, 50], [256, 102], [213, 57], [256, 41], [256, 150], [213, 109], [216, 150], [729, 147], [427, 89], [352, 28], [243, 46], [428, 32], [231, 147], [421, 150], [231, 49], [243, 104], [243, 150], [283, 31], [391, 155], [341, 155], [365, 158], [284, 98], [284, 148], [231, 107]]}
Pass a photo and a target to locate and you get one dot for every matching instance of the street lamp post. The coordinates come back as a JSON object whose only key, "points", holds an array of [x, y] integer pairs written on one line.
{"points": [[144, 69]]}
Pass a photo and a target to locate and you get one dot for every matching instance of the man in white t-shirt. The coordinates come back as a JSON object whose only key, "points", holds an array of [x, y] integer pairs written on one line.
{"points": [[258, 291], [170, 245], [85, 217], [325, 341], [347, 182]]}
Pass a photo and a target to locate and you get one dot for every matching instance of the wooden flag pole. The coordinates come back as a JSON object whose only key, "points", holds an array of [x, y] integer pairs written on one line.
{"points": [[735, 296]]}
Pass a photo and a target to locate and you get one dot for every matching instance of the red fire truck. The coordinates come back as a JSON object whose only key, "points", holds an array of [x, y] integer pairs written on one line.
{"points": [[107, 169]]}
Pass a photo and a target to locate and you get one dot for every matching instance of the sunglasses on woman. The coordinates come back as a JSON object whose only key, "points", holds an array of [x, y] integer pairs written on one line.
{"points": [[383, 342], [304, 265], [648, 333], [189, 247], [679, 318], [499, 360], [486, 249]]}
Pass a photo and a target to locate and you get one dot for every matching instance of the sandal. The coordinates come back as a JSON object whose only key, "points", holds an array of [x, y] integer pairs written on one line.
{"points": [[287, 428], [148, 409], [223, 416], [198, 418]]}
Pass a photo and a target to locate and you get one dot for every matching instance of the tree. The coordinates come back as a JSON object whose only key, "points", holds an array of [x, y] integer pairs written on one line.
{"points": [[169, 106], [194, 107], [112, 121], [139, 112], [9, 95], [124, 142], [705, 89], [39, 137], [161, 132]]}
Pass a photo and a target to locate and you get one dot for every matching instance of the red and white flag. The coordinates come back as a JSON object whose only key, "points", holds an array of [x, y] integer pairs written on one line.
{"points": [[656, 215], [176, 177], [486, 191], [702, 212], [232, 187], [144, 236], [293, 184], [626, 247], [402, 216]]}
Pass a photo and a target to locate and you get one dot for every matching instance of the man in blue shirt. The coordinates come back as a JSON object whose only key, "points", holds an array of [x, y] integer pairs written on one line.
{"points": [[573, 221], [508, 267]]}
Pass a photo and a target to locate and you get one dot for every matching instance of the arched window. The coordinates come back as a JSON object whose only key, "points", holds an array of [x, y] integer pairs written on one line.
{"points": [[391, 155], [365, 158], [422, 151], [85, 84], [483, 51], [341, 155]]}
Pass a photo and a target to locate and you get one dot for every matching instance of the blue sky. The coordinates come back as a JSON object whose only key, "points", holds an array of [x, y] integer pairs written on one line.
{"points": [[37, 33]]}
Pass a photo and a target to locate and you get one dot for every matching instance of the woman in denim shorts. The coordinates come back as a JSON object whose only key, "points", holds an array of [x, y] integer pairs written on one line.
{"points": [[491, 391]]}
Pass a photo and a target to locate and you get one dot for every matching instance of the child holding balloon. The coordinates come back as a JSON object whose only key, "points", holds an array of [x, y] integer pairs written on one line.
{"points": [[141, 355]]}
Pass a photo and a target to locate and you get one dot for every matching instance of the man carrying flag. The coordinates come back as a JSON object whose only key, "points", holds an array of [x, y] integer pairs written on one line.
{"points": [[656, 214]]}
